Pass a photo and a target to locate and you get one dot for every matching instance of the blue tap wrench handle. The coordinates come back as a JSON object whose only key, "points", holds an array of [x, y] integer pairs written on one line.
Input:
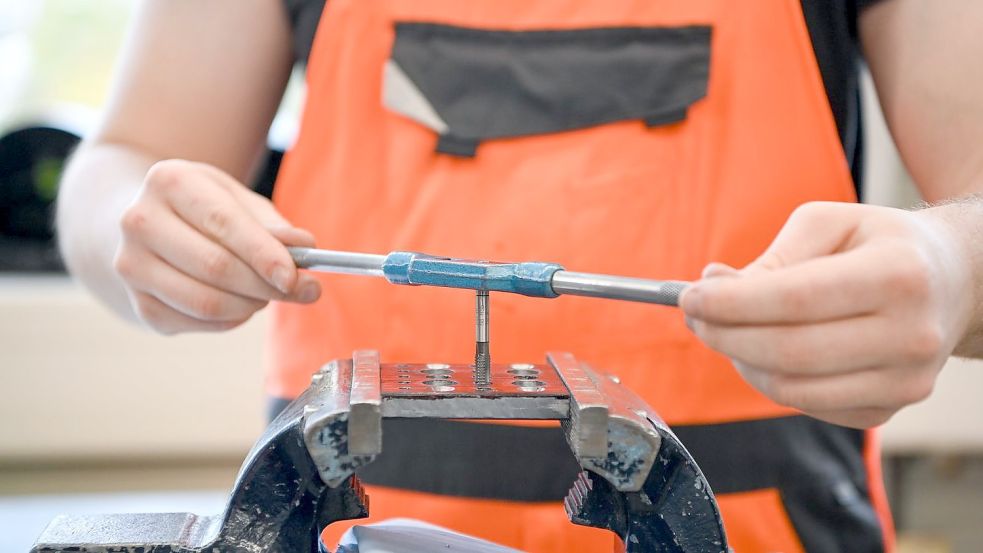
{"points": [[530, 278]]}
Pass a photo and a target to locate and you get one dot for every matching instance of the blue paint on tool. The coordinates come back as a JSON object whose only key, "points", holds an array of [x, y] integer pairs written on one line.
{"points": [[531, 278]]}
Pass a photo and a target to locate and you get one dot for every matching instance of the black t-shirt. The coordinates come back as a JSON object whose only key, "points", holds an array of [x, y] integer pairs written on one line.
{"points": [[832, 26]]}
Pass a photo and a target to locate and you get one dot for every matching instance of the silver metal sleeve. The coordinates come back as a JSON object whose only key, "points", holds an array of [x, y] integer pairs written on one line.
{"points": [[663, 292], [481, 316], [338, 262]]}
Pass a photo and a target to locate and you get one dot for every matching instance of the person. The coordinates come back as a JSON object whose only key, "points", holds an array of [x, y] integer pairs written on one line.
{"points": [[708, 140]]}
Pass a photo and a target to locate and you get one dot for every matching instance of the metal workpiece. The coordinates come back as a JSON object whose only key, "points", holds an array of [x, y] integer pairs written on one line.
{"points": [[662, 292], [452, 391], [638, 480]]}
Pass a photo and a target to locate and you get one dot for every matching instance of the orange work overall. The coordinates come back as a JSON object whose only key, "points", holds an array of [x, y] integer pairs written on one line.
{"points": [[640, 138]]}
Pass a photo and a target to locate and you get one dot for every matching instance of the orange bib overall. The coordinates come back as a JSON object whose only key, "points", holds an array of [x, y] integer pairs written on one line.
{"points": [[492, 129]]}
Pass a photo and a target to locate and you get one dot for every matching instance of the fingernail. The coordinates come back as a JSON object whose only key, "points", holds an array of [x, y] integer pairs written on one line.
{"points": [[718, 269], [281, 279], [692, 300], [309, 293]]}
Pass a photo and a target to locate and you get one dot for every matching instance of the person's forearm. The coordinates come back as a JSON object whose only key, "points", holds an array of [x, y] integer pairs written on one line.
{"points": [[964, 219], [100, 181]]}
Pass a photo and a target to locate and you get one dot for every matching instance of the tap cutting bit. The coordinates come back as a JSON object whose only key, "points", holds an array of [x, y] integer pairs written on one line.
{"points": [[482, 355]]}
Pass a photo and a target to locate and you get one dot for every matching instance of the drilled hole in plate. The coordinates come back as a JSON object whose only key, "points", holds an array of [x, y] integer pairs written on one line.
{"points": [[518, 373], [527, 384], [483, 388], [525, 376], [437, 372], [404, 387], [443, 388], [440, 382], [438, 366], [523, 366]]}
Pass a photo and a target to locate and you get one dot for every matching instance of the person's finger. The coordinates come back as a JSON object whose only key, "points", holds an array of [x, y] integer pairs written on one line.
{"points": [[213, 211], [716, 269], [184, 248], [262, 210], [843, 345], [812, 230], [825, 288], [712, 270], [855, 418], [258, 206], [293, 236], [166, 320], [880, 388], [308, 287], [147, 273]]}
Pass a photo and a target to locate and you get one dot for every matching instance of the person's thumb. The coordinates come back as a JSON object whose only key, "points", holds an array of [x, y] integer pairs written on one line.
{"points": [[813, 230]]}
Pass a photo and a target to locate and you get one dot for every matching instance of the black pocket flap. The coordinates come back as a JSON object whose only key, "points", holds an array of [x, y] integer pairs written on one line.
{"points": [[471, 85]]}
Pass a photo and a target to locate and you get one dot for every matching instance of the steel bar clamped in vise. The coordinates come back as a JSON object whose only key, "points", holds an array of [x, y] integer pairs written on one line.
{"points": [[529, 278]]}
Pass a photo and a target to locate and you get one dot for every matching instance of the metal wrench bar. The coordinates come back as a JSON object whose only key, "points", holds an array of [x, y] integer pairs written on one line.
{"points": [[528, 278], [662, 292], [331, 261]]}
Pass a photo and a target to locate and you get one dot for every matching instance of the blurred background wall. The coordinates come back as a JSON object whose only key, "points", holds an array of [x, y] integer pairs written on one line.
{"points": [[97, 415]]}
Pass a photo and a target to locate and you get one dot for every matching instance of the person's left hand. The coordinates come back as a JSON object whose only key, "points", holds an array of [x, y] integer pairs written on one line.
{"points": [[849, 314]]}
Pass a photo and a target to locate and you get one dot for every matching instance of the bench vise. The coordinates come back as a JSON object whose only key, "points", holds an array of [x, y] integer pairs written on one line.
{"points": [[638, 480]]}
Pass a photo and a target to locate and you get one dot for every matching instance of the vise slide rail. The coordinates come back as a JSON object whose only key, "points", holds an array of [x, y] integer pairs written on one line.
{"points": [[638, 480]]}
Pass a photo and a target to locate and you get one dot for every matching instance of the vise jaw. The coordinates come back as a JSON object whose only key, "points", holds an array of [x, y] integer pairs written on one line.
{"points": [[300, 476]]}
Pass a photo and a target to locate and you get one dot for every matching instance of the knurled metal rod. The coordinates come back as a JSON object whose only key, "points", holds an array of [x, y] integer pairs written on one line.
{"points": [[482, 354]]}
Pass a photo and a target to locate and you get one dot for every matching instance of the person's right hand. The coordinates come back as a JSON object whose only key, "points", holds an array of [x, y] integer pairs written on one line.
{"points": [[201, 252]]}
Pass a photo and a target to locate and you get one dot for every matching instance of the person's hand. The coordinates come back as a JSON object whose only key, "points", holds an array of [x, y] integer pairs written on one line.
{"points": [[849, 314], [201, 252]]}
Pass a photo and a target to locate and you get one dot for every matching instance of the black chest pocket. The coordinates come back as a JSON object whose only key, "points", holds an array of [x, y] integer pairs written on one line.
{"points": [[471, 85]]}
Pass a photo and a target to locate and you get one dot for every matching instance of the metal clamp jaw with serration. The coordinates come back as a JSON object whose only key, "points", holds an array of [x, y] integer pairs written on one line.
{"points": [[638, 480]]}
